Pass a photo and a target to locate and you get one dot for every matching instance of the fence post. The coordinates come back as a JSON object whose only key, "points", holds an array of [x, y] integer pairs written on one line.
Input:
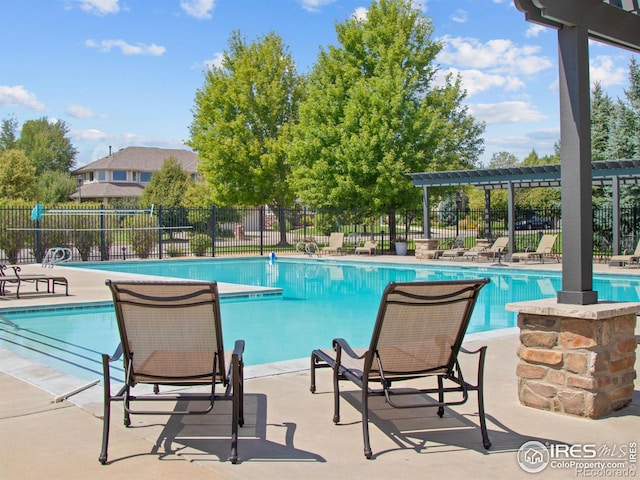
{"points": [[261, 221], [213, 230], [102, 235], [160, 232]]}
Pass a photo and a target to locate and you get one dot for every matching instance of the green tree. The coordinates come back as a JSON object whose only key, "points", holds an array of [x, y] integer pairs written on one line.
{"points": [[242, 123], [601, 117], [55, 187], [373, 112], [503, 159], [167, 185], [166, 189], [17, 176], [46, 145], [8, 129]]}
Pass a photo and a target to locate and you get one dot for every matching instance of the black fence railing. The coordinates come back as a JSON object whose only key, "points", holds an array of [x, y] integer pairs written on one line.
{"points": [[101, 234]]}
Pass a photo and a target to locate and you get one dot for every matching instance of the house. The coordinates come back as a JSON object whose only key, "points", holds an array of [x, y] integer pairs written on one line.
{"points": [[125, 173]]}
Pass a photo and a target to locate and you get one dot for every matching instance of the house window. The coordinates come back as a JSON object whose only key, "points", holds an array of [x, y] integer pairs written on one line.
{"points": [[145, 177], [134, 176], [91, 176], [119, 175], [102, 176]]}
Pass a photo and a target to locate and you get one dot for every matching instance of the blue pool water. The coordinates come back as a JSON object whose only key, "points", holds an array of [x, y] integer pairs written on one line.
{"points": [[321, 300]]}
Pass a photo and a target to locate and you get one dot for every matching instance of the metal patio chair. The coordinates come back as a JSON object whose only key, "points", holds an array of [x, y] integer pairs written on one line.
{"points": [[171, 335], [417, 335]]}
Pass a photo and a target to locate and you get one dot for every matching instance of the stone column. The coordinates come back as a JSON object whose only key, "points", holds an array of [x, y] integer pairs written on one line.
{"points": [[576, 359]]}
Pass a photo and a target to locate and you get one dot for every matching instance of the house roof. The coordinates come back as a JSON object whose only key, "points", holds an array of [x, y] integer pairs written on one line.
{"points": [[143, 159], [108, 190]]}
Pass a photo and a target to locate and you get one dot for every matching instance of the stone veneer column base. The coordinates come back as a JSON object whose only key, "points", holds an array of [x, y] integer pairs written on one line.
{"points": [[576, 359]]}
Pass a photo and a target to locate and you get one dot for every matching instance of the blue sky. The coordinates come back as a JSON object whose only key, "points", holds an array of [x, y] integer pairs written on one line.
{"points": [[124, 72]]}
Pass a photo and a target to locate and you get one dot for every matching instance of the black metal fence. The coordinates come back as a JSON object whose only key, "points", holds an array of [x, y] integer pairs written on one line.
{"points": [[100, 234]]}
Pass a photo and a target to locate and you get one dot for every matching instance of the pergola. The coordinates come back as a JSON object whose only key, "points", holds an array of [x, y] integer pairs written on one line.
{"points": [[616, 22], [610, 173]]}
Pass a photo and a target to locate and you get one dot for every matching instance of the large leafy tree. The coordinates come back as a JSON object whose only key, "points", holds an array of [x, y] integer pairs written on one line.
{"points": [[374, 112], [242, 123], [8, 129], [55, 187], [17, 176], [167, 185], [46, 145]]}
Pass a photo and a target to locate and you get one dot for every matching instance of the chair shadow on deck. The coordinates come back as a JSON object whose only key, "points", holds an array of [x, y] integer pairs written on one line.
{"points": [[421, 430], [205, 437]]}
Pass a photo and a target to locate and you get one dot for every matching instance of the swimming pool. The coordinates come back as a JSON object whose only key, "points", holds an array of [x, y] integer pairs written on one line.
{"points": [[321, 300]]}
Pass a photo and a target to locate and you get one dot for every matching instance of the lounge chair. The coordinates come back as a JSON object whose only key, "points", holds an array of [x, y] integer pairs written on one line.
{"points": [[351, 242], [336, 244], [545, 249], [627, 259], [418, 333], [491, 253], [20, 278], [369, 247], [457, 249], [171, 335]]}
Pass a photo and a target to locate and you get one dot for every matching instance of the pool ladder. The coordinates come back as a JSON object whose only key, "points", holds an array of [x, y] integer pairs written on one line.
{"points": [[56, 255]]}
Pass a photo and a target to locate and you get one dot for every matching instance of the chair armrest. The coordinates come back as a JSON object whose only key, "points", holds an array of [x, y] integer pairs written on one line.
{"points": [[340, 344], [472, 352], [116, 355], [238, 349]]}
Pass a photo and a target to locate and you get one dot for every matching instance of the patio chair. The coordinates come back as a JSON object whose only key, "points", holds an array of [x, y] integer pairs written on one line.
{"points": [[369, 247], [627, 259], [491, 253], [457, 249], [418, 334], [171, 335], [545, 249], [336, 243], [19, 278]]}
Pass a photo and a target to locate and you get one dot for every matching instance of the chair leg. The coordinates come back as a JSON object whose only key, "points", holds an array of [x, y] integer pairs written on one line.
{"points": [[126, 403], [312, 387], [237, 409], [107, 410], [365, 422], [483, 422], [440, 397], [336, 394]]}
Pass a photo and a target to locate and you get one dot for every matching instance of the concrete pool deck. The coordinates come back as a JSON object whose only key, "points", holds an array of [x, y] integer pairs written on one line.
{"points": [[288, 432]]}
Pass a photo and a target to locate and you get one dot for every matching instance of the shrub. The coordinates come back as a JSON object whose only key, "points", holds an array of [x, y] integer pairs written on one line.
{"points": [[142, 234], [199, 244]]}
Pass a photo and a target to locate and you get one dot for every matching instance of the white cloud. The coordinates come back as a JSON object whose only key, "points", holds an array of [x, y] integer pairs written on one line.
{"points": [[498, 55], [460, 16], [79, 111], [216, 61], [604, 70], [90, 135], [419, 5], [360, 13], [200, 9], [475, 81], [126, 48], [314, 6], [535, 30], [99, 7], [19, 97], [506, 112]]}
